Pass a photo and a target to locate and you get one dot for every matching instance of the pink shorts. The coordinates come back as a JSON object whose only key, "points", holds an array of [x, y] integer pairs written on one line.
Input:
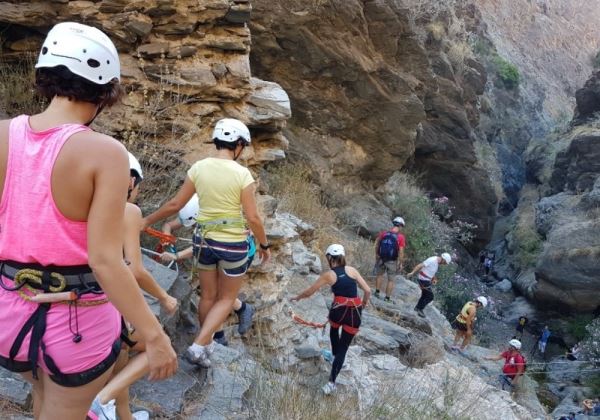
{"points": [[68, 361]]}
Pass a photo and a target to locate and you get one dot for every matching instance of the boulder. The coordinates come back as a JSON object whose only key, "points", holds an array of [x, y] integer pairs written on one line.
{"points": [[14, 389], [504, 286]]}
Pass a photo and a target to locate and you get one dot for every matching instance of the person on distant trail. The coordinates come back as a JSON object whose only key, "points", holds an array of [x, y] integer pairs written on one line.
{"points": [[487, 264], [63, 189], [187, 218], [114, 400], [226, 192], [543, 340], [346, 309], [389, 256], [521, 323], [514, 364], [573, 353], [427, 271], [465, 321]]}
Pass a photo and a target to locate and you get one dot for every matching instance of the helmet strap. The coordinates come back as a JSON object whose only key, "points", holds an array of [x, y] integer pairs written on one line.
{"points": [[236, 156], [98, 111]]}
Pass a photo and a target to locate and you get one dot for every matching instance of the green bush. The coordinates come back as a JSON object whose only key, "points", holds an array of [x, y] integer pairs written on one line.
{"points": [[596, 60], [507, 73], [529, 246], [577, 326]]}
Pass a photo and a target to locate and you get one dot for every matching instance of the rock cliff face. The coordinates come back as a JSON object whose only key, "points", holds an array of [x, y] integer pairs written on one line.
{"points": [[377, 93]]}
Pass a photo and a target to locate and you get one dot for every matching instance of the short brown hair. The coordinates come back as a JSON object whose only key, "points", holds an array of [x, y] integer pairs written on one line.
{"points": [[60, 81], [339, 260]]}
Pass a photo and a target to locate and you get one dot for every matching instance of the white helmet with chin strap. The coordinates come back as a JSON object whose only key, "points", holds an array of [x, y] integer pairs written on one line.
{"points": [[134, 165], [189, 213], [231, 130], [483, 300], [515, 343], [84, 50]]}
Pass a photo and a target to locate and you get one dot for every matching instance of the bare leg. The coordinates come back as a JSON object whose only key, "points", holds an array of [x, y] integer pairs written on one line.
{"points": [[467, 339], [378, 281], [208, 285], [389, 287], [457, 336], [134, 371], [61, 403], [237, 305], [37, 391], [227, 291]]}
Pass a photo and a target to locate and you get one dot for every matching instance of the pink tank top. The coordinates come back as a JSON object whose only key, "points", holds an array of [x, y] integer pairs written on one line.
{"points": [[32, 229]]}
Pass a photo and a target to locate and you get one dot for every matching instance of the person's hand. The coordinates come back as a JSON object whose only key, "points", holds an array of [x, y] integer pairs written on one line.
{"points": [[434, 280], [162, 359], [145, 223], [169, 304], [412, 273], [264, 254], [295, 298], [168, 257]]}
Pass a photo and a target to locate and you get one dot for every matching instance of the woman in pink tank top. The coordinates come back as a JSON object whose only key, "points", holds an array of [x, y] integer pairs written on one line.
{"points": [[62, 199]]}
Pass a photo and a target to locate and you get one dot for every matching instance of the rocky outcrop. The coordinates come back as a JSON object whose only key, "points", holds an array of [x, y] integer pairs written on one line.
{"points": [[184, 64], [372, 94]]}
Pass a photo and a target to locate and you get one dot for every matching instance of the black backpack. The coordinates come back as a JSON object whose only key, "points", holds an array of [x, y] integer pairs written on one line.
{"points": [[388, 247]]}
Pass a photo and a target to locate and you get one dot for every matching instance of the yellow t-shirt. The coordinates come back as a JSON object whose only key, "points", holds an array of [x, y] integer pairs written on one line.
{"points": [[219, 184]]}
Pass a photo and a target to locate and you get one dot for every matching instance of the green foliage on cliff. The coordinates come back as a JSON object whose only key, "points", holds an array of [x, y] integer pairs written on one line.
{"points": [[507, 72], [529, 245], [596, 60]]}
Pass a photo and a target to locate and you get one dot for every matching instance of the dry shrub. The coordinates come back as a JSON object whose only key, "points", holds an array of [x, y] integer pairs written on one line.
{"points": [[17, 92], [423, 351], [436, 30], [458, 52]]}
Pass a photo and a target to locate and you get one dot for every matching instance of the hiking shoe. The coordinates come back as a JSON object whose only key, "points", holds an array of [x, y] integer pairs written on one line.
{"points": [[210, 348], [420, 312], [376, 294], [99, 411], [221, 340], [245, 318], [328, 388], [327, 355], [198, 356], [141, 415]]}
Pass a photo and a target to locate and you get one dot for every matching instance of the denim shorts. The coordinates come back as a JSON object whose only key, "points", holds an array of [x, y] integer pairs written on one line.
{"points": [[230, 257]]}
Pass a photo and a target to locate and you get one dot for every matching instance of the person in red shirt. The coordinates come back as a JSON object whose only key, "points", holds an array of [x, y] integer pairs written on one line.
{"points": [[389, 256], [514, 364]]}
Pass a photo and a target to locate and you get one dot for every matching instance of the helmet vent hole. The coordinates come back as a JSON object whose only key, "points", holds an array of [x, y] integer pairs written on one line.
{"points": [[227, 133], [84, 51], [93, 63], [54, 42], [99, 77], [107, 61], [44, 50]]}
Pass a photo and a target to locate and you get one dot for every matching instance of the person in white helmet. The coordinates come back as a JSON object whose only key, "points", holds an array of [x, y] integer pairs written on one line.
{"points": [[389, 256], [226, 198], [187, 218], [113, 400], [514, 364], [465, 321], [61, 178], [346, 309], [427, 271]]}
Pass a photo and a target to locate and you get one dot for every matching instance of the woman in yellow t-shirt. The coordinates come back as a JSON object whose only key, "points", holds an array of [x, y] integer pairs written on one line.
{"points": [[225, 195]]}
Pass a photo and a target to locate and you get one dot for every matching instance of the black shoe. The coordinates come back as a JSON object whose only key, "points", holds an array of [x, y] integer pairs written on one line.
{"points": [[420, 312]]}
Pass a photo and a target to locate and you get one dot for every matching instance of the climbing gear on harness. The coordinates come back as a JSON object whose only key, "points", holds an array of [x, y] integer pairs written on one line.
{"points": [[48, 285]]}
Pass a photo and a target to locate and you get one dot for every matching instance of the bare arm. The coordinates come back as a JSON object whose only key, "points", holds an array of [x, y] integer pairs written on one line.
{"points": [[362, 284], [254, 220], [179, 255], [131, 247], [171, 225], [418, 267], [105, 253], [172, 206], [497, 357], [324, 279], [377, 247]]}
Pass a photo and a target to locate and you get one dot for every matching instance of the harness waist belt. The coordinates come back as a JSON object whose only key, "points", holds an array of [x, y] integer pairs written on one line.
{"points": [[50, 278], [424, 276], [347, 301]]}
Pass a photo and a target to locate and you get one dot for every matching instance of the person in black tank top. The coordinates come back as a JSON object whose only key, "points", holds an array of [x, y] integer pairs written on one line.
{"points": [[346, 309]]}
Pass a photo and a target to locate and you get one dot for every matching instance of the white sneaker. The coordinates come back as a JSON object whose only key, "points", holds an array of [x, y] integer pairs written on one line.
{"points": [[328, 388], [99, 411], [198, 355], [141, 415], [210, 348]]}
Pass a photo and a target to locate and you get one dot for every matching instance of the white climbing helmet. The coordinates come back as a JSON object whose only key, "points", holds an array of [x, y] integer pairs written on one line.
{"points": [[398, 221], [134, 165], [84, 50], [446, 257], [483, 300], [189, 213], [335, 250], [231, 130], [515, 343]]}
